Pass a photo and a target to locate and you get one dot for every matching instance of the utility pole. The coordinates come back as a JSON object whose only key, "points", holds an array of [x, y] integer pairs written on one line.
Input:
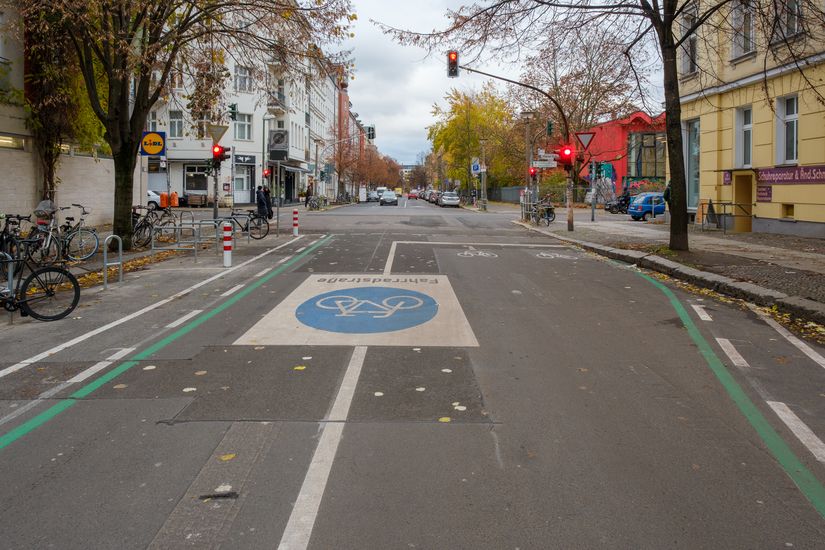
{"points": [[483, 205]]}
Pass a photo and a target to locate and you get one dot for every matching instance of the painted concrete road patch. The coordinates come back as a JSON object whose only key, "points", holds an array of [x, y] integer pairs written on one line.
{"points": [[356, 310]]}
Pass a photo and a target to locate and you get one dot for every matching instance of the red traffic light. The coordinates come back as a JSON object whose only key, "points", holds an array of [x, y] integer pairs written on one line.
{"points": [[567, 154], [533, 171], [267, 172], [217, 150], [452, 63]]}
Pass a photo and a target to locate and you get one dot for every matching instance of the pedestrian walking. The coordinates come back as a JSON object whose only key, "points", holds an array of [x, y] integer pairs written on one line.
{"points": [[666, 196], [308, 195], [260, 201], [268, 197]]}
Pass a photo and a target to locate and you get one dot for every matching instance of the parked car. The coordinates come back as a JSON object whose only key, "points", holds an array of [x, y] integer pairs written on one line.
{"points": [[433, 198], [645, 205], [412, 195], [373, 196], [153, 200], [388, 197], [449, 198]]}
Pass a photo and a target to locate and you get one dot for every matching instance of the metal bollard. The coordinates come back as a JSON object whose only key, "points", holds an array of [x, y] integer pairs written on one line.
{"points": [[227, 244], [295, 222], [118, 263]]}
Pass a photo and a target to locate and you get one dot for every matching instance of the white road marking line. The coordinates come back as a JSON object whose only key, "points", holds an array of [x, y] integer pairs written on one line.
{"points": [[390, 257], [300, 250], [80, 377], [284, 260], [799, 429], [302, 519], [178, 322], [232, 290], [700, 311], [92, 333], [263, 272], [800, 345], [731, 352]]}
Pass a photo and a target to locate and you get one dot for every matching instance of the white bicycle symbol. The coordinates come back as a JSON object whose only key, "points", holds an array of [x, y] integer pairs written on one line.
{"points": [[349, 306], [555, 255], [478, 253]]}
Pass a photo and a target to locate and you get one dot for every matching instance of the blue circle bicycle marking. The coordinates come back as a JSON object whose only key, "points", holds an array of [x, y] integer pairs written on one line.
{"points": [[367, 310]]}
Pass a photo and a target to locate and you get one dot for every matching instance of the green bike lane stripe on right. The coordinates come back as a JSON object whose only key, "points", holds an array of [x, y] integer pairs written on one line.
{"points": [[42, 418], [793, 466]]}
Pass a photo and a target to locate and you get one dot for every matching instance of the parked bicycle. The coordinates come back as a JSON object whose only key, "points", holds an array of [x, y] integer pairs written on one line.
{"points": [[160, 221], [79, 241], [55, 242], [249, 221], [9, 236], [46, 294], [316, 202]]}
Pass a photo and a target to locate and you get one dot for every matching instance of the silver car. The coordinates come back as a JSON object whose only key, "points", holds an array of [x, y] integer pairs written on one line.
{"points": [[449, 198]]}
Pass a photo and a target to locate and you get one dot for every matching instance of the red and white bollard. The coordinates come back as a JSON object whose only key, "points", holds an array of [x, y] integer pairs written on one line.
{"points": [[227, 244], [295, 222]]}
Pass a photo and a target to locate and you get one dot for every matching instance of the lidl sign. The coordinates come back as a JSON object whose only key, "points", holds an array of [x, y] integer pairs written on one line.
{"points": [[153, 144]]}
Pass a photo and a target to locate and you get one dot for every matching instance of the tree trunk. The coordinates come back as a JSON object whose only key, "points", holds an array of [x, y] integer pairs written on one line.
{"points": [[675, 152], [125, 162]]}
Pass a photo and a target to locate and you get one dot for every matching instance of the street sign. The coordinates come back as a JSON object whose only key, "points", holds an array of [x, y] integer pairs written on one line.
{"points": [[475, 166], [153, 144], [544, 164], [483, 168], [585, 138], [216, 131]]}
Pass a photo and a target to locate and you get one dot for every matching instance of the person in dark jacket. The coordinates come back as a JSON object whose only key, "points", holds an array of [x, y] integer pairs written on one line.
{"points": [[268, 196], [308, 195], [260, 200]]}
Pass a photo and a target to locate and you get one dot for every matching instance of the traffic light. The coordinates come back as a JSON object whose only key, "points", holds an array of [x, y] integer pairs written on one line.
{"points": [[549, 127], [567, 155], [452, 64], [219, 154], [533, 173], [370, 132], [233, 111], [267, 172]]}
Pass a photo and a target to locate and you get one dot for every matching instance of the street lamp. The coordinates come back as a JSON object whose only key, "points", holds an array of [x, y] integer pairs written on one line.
{"points": [[483, 205], [527, 116]]}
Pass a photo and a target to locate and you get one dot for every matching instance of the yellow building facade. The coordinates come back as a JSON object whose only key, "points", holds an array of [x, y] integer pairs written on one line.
{"points": [[753, 116]]}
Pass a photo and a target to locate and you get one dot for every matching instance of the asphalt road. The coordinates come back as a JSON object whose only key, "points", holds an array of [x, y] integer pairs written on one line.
{"points": [[408, 377]]}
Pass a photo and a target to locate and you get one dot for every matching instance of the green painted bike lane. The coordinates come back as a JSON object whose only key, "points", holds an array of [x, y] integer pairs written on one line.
{"points": [[32, 424], [793, 466]]}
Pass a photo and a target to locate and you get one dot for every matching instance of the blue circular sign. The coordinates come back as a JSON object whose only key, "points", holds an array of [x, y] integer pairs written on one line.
{"points": [[367, 310]]}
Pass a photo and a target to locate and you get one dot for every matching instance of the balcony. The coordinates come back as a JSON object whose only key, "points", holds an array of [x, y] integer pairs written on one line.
{"points": [[276, 103]]}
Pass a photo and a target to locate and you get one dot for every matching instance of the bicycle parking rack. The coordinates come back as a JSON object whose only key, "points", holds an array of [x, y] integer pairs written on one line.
{"points": [[197, 228], [106, 263]]}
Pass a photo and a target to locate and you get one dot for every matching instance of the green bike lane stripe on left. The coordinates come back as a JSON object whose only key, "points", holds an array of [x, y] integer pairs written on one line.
{"points": [[804, 479], [37, 421]]}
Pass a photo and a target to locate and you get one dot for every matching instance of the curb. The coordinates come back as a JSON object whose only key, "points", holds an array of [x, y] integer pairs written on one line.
{"points": [[803, 308]]}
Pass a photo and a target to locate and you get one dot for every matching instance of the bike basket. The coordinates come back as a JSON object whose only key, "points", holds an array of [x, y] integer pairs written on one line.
{"points": [[44, 210]]}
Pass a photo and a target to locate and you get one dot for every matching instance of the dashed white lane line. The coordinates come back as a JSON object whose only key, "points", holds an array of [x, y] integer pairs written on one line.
{"points": [[80, 377], [735, 357], [700, 311], [302, 519], [263, 272], [92, 333], [799, 429], [180, 320], [284, 260], [300, 249], [231, 291], [800, 345]]}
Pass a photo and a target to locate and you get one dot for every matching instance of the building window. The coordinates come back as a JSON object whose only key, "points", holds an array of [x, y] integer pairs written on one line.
{"points": [[646, 155], [243, 127], [787, 127], [176, 79], [689, 46], [152, 121], [692, 162], [791, 17], [744, 137], [12, 142], [196, 179], [743, 41], [243, 79], [175, 124]]}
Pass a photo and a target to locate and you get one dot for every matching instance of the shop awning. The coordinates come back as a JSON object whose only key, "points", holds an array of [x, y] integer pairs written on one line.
{"points": [[295, 169]]}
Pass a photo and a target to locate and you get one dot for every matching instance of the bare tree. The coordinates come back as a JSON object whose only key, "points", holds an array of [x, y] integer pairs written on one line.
{"points": [[127, 49], [667, 31]]}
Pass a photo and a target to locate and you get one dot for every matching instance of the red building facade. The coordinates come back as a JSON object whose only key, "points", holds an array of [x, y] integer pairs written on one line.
{"points": [[635, 147]]}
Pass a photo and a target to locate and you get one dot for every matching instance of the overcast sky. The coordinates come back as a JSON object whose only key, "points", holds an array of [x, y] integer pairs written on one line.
{"points": [[394, 86]]}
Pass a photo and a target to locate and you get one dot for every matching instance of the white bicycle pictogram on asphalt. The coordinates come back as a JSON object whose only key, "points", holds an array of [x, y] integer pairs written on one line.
{"points": [[350, 306], [555, 255], [477, 253]]}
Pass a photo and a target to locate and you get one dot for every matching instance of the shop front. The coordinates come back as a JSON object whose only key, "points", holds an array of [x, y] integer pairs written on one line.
{"points": [[244, 179]]}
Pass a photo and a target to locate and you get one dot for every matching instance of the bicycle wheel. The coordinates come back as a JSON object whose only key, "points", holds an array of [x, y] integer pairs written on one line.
{"points": [[82, 245], [165, 231], [49, 293], [549, 216], [142, 233], [47, 249], [258, 227]]}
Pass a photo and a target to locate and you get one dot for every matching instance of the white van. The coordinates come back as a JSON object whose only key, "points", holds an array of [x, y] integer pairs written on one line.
{"points": [[380, 191]]}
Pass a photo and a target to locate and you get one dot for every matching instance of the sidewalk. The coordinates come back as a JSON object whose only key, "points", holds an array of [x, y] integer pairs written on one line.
{"points": [[766, 269]]}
